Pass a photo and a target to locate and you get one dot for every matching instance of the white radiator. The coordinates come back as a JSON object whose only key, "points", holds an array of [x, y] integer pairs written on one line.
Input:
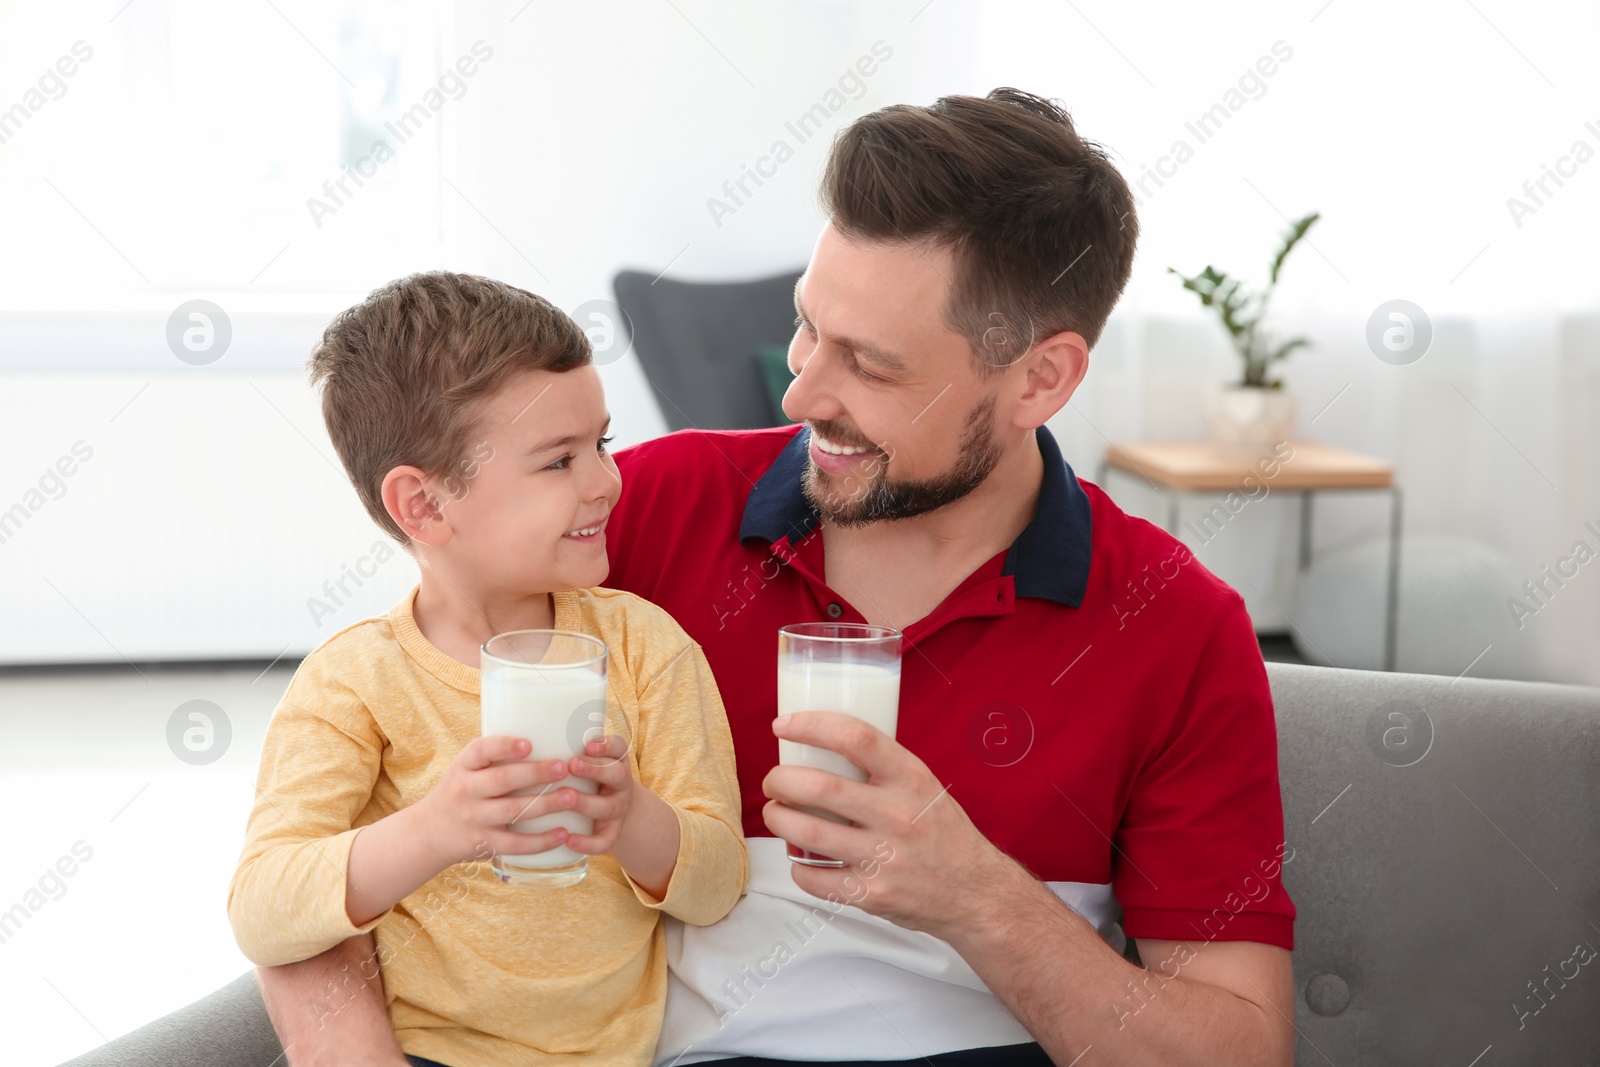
{"points": [[195, 514]]}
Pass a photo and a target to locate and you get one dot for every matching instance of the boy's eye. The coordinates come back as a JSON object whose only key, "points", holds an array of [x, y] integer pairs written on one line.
{"points": [[565, 461]]}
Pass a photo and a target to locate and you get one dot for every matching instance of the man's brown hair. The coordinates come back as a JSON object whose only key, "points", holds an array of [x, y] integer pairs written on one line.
{"points": [[1041, 225], [401, 373]]}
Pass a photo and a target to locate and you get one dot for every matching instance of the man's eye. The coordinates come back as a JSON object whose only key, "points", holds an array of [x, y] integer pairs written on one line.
{"points": [[855, 368], [802, 324]]}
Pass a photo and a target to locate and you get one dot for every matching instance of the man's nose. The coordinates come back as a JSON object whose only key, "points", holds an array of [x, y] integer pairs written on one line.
{"points": [[810, 395]]}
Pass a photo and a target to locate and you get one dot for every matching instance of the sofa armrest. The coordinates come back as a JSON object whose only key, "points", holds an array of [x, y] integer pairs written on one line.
{"points": [[228, 1028]]}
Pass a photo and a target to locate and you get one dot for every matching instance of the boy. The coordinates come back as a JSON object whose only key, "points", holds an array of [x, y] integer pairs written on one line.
{"points": [[468, 416]]}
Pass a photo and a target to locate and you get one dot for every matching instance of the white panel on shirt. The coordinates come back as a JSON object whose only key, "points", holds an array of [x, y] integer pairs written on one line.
{"points": [[791, 976]]}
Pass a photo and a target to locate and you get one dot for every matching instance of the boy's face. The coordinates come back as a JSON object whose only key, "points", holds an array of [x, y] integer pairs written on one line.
{"points": [[537, 472]]}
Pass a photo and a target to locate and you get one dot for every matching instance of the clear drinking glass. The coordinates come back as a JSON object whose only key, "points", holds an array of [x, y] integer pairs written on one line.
{"points": [[849, 667], [548, 686]]}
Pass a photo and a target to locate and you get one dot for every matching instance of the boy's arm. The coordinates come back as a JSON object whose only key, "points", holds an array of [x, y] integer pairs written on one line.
{"points": [[686, 759], [637, 828], [465, 817], [287, 898]]}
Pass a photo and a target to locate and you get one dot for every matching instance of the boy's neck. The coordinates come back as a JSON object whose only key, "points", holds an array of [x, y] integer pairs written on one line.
{"points": [[457, 618]]}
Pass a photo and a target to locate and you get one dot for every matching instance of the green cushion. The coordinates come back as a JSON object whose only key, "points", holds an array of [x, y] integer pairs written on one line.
{"points": [[773, 362]]}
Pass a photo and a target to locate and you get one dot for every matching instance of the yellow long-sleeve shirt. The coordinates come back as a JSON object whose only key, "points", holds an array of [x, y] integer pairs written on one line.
{"points": [[476, 971]]}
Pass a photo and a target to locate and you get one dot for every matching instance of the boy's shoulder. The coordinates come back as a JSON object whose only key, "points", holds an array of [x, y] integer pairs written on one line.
{"points": [[346, 661], [641, 632], [373, 636]]}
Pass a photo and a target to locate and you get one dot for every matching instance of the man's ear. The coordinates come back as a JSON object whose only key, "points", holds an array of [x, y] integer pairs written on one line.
{"points": [[1053, 370], [411, 502]]}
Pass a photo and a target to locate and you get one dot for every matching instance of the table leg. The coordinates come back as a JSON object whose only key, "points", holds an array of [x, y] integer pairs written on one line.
{"points": [[1391, 619], [1305, 529]]}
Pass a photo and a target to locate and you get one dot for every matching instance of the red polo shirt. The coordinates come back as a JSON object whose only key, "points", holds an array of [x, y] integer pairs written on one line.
{"points": [[1094, 698]]}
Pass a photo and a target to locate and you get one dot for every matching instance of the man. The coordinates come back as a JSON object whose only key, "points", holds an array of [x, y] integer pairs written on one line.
{"points": [[1072, 848]]}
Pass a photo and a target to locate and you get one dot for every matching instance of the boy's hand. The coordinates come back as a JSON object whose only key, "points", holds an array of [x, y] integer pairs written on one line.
{"points": [[604, 761], [472, 805]]}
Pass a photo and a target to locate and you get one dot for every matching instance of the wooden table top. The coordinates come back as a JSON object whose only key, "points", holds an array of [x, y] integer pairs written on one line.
{"points": [[1201, 466]]}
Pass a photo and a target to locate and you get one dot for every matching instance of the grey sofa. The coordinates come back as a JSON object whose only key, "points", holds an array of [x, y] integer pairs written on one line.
{"points": [[1446, 868]]}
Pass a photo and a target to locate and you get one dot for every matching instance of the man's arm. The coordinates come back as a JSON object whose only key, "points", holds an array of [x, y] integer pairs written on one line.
{"points": [[1218, 1003], [330, 1010]]}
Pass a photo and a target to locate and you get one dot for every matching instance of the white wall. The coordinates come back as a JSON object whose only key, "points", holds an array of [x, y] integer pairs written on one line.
{"points": [[592, 140], [213, 512]]}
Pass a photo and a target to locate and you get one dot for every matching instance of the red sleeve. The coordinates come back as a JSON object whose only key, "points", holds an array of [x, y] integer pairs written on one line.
{"points": [[1200, 848]]}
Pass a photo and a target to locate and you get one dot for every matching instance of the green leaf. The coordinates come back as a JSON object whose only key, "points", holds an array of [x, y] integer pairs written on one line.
{"points": [[1288, 346], [1297, 230]]}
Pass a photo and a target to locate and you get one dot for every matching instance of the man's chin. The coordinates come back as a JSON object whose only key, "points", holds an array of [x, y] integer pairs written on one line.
{"points": [[837, 497]]}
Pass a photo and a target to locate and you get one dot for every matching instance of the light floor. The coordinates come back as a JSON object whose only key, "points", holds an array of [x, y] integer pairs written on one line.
{"points": [[140, 927]]}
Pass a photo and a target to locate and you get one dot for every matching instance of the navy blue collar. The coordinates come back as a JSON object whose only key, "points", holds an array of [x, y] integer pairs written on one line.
{"points": [[1049, 559]]}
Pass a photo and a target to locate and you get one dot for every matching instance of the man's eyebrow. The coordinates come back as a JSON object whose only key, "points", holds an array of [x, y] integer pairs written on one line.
{"points": [[562, 442], [870, 351]]}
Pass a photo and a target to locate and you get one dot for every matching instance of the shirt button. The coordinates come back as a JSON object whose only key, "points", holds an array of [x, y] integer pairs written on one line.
{"points": [[834, 611]]}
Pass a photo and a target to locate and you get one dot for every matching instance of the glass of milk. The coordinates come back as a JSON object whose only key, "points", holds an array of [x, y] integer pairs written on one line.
{"points": [[849, 667], [548, 686]]}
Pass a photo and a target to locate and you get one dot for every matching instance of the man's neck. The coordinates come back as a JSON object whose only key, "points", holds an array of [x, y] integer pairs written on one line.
{"points": [[895, 573], [457, 615]]}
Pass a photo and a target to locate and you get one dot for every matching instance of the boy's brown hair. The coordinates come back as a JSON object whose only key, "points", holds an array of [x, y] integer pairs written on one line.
{"points": [[401, 373], [1041, 224]]}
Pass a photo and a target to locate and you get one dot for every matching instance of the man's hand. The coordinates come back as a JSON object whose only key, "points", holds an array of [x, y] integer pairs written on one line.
{"points": [[1049, 967], [935, 880]]}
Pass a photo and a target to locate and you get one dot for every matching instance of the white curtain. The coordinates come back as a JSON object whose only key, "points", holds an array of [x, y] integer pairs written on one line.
{"points": [[1494, 436]]}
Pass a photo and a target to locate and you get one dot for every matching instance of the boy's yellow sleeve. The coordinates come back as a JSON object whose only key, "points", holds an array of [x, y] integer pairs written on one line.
{"points": [[287, 898], [686, 758]]}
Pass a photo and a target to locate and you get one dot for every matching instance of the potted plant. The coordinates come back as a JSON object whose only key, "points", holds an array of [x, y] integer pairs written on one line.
{"points": [[1257, 412]]}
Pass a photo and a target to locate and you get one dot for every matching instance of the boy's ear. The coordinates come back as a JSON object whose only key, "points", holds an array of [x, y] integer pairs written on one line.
{"points": [[413, 505]]}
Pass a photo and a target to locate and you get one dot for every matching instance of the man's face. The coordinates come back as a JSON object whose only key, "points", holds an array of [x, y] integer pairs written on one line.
{"points": [[878, 370], [538, 473]]}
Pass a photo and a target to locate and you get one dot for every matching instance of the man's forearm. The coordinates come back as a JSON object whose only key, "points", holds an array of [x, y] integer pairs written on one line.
{"points": [[330, 1009], [1060, 979]]}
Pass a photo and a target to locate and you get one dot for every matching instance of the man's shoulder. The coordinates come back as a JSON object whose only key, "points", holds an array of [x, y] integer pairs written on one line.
{"points": [[1134, 561]]}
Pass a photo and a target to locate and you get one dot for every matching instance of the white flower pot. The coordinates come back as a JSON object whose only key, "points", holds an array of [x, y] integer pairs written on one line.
{"points": [[1249, 421]]}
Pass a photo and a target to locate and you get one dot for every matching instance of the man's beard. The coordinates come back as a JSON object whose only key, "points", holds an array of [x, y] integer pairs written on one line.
{"points": [[852, 499]]}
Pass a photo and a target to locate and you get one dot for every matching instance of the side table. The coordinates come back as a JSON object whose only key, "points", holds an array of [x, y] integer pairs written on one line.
{"points": [[1177, 467]]}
